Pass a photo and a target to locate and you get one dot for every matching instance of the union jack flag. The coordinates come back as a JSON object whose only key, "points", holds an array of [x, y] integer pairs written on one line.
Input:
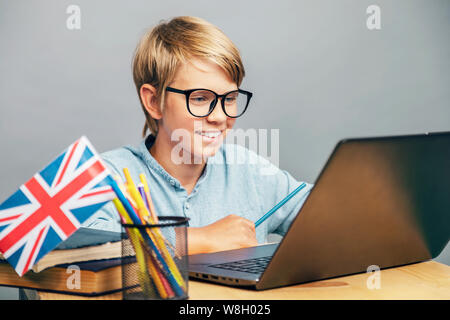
{"points": [[53, 204]]}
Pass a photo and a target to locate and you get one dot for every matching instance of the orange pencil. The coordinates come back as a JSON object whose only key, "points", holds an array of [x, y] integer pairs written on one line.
{"points": [[149, 198]]}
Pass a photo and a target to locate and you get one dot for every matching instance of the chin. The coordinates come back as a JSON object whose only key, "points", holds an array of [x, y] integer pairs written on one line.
{"points": [[206, 152], [206, 149]]}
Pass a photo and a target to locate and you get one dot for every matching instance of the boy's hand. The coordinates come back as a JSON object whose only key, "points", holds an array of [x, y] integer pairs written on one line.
{"points": [[231, 232]]}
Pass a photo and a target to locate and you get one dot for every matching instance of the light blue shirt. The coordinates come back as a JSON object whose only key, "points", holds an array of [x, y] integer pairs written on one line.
{"points": [[235, 181]]}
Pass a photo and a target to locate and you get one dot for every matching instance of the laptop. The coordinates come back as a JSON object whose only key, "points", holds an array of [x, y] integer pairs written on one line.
{"points": [[379, 201]]}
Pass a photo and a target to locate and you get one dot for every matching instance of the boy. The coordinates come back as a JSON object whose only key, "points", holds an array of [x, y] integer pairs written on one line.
{"points": [[187, 74]]}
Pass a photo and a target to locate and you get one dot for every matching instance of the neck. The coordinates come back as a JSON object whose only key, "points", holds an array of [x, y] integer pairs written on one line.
{"points": [[187, 172]]}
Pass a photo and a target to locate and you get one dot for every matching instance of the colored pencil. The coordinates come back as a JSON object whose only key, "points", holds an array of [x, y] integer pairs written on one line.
{"points": [[148, 197], [140, 257], [279, 205], [161, 284], [135, 219], [141, 190], [159, 241]]}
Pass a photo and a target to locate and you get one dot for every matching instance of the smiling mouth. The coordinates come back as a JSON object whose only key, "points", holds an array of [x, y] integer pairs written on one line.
{"points": [[210, 134]]}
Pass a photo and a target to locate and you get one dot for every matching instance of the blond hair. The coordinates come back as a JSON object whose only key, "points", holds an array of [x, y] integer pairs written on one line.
{"points": [[162, 49]]}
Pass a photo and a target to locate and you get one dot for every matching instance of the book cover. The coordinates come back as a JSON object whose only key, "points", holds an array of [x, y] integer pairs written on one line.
{"points": [[96, 277], [84, 245]]}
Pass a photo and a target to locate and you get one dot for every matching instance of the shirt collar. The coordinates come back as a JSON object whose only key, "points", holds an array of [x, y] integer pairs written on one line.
{"points": [[146, 156]]}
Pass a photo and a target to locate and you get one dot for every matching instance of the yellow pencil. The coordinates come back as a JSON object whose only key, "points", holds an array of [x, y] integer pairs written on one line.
{"points": [[142, 210], [149, 205]]}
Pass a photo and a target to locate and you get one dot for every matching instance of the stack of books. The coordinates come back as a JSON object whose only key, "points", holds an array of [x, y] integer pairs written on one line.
{"points": [[87, 264]]}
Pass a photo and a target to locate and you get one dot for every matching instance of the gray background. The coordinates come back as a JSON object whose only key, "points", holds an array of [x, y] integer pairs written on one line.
{"points": [[317, 74]]}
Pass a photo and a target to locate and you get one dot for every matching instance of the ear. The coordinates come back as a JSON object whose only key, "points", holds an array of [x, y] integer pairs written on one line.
{"points": [[149, 100]]}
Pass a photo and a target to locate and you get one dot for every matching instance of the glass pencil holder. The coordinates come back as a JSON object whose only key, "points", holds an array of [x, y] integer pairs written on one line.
{"points": [[154, 260]]}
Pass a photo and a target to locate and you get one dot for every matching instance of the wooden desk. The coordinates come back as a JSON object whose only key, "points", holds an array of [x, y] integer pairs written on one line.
{"points": [[426, 280]]}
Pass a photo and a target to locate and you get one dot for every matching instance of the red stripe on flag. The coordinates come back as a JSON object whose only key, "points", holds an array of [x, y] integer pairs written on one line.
{"points": [[79, 182], [67, 163], [25, 269], [96, 193], [10, 218]]}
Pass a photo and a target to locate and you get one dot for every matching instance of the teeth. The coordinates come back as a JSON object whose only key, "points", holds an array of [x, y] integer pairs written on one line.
{"points": [[210, 134]]}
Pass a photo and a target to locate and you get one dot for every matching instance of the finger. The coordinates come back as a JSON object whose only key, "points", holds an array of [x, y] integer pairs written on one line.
{"points": [[250, 225], [250, 242]]}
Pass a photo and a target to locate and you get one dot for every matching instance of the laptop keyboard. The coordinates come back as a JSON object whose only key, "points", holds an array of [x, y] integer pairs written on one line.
{"points": [[257, 265]]}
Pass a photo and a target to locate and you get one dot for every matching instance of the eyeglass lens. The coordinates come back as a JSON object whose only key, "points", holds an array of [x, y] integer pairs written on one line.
{"points": [[202, 101]]}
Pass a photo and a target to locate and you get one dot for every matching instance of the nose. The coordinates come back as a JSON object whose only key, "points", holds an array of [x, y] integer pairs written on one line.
{"points": [[217, 115]]}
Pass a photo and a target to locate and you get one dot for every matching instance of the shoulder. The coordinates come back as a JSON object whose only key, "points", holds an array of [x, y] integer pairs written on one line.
{"points": [[118, 154], [123, 154], [122, 157]]}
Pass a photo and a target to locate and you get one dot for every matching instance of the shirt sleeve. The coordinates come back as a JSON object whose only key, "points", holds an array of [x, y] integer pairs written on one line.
{"points": [[107, 218], [273, 185]]}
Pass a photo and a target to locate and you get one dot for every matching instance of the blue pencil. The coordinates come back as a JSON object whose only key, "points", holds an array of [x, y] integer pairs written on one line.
{"points": [[281, 203]]}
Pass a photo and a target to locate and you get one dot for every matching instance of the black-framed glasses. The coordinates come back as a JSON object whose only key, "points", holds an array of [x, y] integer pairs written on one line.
{"points": [[201, 102]]}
